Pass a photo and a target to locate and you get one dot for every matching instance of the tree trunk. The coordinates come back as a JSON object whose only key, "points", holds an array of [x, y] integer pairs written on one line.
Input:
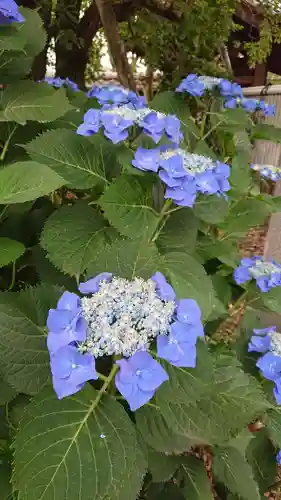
{"points": [[71, 58], [115, 43]]}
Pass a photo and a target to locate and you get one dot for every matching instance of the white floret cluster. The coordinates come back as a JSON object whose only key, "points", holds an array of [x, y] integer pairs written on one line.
{"points": [[124, 316]]}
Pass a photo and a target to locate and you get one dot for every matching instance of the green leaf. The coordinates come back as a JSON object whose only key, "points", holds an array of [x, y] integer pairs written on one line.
{"points": [[189, 280], [32, 101], [272, 299], [232, 469], [59, 449], [241, 174], [261, 456], [232, 400], [197, 486], [73, 237], [7, 392], [245, 214], [5, 479], [267, 132], [27, 180], [10, 250], [127, 204], [170, 103], [162, 466], [80, 162], [157, 434], [23, 353], [168, 491], [211, 209], [179, 233], [273, 425], [11, 38], [127, 259], [225, 251]]}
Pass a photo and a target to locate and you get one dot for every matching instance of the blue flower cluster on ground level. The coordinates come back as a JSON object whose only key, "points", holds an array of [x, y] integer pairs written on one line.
{"points": [[60, 82], [268, 342], [9, 12], [268, 171], [266, 273], [185, 174], [122, 318], [116, 95]]}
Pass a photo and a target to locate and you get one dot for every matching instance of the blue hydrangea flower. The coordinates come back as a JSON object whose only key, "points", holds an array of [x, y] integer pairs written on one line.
{"points": [[196, 86], [58, 82], [185, 174], [9, 12], [65, 323], [250, 105], [268, 171], [266, 273], [268, 342], [179, 347], [138, 378], [117, 95], [70, 370], [122, 318], [116, 121], [278, 458]]}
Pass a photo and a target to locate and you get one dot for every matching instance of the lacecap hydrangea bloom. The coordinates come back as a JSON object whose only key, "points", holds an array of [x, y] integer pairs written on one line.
{"points": [[116, 95], [118, 317], [116, 120], [266, 273], [9, 12], [58, 82], [268, 171], [197, 85], [268, 342], [185, 174]]}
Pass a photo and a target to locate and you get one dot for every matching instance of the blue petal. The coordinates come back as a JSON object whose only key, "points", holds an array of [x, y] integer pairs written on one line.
{"points": [[270, 366], [151, 378], [278, 457], [65, 387], [188, 311], [241, 275], [59, 320], [164, 289], [259, 344], [69, 301], [93, 285]]}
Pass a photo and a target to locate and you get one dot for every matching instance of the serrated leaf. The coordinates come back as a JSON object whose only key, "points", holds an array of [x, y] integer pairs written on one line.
{"points": [[127, 259], [25, 181], [127, 204], [162, 466], [225, 251], [261, 456], [245, 214], [241, 175], [7, 392], [168, 491], [10, 250], [196, 483], [232, 469], [179, 233], [267, 132], [23, 351], [73, 237], [157, 434], [189, 280], [32, 101], [80, 162], [233, 399], [273, 425], [211, 209], [10, 38], [59, 449]]}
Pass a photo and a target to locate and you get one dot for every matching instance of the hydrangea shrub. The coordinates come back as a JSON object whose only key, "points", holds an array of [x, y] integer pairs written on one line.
{"points": [[119, 272]]}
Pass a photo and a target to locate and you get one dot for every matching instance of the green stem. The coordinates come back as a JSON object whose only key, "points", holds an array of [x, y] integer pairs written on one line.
{"points": [[169, 212], [106, 383], [6, 145], [211, 130], [102, 377], [13, 277], [203, 124], [162, 220], [3, 211]]}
